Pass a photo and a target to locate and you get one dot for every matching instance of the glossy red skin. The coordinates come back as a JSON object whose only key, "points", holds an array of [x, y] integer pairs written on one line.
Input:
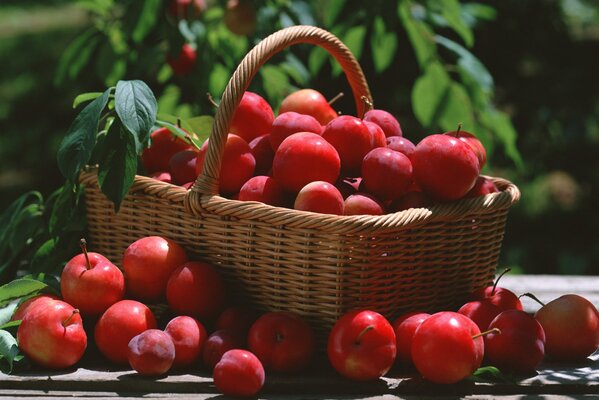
{"points": [[253, 117], [184, 62], [386, 173], [46, 341], [571, 325], [240, 17], [520, 347], [372, 356], [305, 157], [443, 349], [263, 153], [264, 189], [411, 200], [92, 290], [404, 327], [30, 304], [163, 146], [118, 325], [182, 9], [148, 263], [288, 123], [362, 204], [309, 102], [196, 289], [377, 136], [320, 197], [237, 319], [162, 176], [239, 373], [218, 343], [401, 144], [503, 298], [385, 120], [151, 353], [352, 140], [445, 168], [237, 166], [474, 143], [182, 166], [282, 341], [348, 186], [188, 336], [482, 187], [482, 312]]}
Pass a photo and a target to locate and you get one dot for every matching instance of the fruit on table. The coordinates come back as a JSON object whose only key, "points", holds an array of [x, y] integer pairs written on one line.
{"points": [[386, 173], [571, 325], [195, 289], [401, 144], [445, 167], [264, 189], [184, 9], [237, 165], [263, 154], [385, 120], [184, 62], [151, 353], [352, 140], [309, 102], [288, 123], [321, 197], [282, 341], [148, 263], [188, 335], [405, 326], [305, 157], [239, 373], [482, 312], [52, 335], [218, 343], [182, 166], [118, 325], [163, 146], [447, 347], [361, 345], [503, 298], [240, 17], [520, 345], [252, 118], [362, 204], [91, 283]]}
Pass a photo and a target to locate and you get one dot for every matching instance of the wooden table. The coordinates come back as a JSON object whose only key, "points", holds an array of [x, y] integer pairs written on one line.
{"points": [[552, 381]]}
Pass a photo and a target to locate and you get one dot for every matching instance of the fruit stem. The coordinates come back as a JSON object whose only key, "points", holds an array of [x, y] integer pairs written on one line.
{"points": [[532, 296], [66, 321], [179, 123], [505, 271], [457, 132], [337, 97], [367, 104], [211, 100], [368, 328], [83, 245], [485, 333]]}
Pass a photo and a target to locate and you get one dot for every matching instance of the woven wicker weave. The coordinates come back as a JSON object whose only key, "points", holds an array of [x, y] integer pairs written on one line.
{"points": [[317, 265]]}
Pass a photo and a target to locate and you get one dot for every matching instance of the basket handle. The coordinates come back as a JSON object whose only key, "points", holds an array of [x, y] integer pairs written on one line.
{"points": [[207, 181]]}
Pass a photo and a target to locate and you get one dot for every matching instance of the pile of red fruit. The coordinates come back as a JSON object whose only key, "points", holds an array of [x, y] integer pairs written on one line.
{"points": [[310, 158], [445, 347]]}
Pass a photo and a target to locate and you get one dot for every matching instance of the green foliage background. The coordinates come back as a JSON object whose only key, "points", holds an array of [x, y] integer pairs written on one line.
{"points": [[500, 67]]}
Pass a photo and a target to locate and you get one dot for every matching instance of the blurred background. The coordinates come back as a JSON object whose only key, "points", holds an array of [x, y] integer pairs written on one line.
{"points": [[521, 75]]}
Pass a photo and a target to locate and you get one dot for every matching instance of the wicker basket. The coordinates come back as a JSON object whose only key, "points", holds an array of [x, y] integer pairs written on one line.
{"points": [[317, 265]]}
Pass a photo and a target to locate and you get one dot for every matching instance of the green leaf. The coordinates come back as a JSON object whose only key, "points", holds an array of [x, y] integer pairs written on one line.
{"points": [[383, 44], [75, 56], [148, 16], [29, 221], [316, 60], [19, 288], [117, 164], [490, 374], [8, 348], [332, 9], [296, 69], [456, 108], [9, 217], [501, 125], [7, 312], [136, 107], [428, 94], [201, 126], [278, 83], [77, 146], [67, 210], [420, 34], [11, 324], [180, 133], [110, 66], [85, 97], [354, 40], [451, 11], [219, 77], [48, 256]]}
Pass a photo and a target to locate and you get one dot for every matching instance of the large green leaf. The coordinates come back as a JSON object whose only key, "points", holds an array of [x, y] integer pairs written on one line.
{"points": [[11, 214], [148, 15], [456, 109], [19, 288], [77, 146], [28, 223], [201, 126], [67, 210], [219, 77], [383, 44], [8, 348], [451, 11], [420, 34], [277, 83], [318, 56], [501, 125], [76, 55], [331, 10], [6, 313], [118, 164], [85, 97], [136, 107], [429, 93], [354, 40]]}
